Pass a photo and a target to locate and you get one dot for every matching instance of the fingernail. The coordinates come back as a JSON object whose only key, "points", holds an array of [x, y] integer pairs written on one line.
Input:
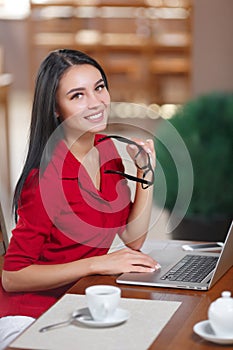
{"points": [[157, 266], [152, 270]]}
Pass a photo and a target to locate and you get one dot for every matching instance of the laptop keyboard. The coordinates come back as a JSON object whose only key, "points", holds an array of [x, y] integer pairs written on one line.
{"points": [[192, 268]]}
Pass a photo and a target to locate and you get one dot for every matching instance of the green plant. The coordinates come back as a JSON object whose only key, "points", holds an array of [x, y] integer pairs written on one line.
{"points": [[206, 126]]}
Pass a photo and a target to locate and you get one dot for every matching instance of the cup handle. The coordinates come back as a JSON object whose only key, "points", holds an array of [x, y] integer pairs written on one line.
{"points": [[105, 309]]}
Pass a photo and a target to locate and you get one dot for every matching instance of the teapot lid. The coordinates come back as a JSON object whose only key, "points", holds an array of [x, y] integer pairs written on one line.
{"points": [[226, 294], [224, 301]]}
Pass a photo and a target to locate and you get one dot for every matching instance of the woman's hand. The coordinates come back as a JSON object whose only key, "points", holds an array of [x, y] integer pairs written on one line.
{"points": [[125, 260], [147, 145]]}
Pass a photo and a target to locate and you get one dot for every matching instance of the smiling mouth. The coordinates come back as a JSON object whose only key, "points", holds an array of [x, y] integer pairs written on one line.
{"points": [[95, 117]]}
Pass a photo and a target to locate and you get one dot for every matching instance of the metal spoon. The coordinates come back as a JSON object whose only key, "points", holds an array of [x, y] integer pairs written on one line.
{"points": [[75, 315]]}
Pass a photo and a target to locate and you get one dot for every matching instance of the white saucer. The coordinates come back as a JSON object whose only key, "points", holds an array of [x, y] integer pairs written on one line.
{"points": [[204, 330], [120, 316]]}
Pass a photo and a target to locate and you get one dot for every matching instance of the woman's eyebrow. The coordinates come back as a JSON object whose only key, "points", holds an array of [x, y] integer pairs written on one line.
{"points": [[83, 88], [99, 81], [75, 90]]}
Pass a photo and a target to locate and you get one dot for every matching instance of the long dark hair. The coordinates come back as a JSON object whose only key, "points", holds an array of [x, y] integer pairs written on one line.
{"points": [[43, 118]]}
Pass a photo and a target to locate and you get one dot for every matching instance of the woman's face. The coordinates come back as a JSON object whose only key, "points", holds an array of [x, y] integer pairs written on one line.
{"points": [[82, 95]]}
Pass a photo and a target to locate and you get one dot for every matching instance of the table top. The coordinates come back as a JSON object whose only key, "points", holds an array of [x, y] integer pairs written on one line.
{"points": [[178, 333]]}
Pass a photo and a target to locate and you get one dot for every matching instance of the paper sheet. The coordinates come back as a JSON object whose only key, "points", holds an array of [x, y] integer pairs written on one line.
{"points": [[147, 319]]}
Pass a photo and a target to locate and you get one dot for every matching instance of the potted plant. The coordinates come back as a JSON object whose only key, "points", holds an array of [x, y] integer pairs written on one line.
{"points": [[205, 124]]}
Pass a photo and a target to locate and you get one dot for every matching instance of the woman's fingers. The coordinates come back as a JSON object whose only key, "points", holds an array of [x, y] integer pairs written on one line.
{"points": [[148, 146], [129, 260], [142, 261]]}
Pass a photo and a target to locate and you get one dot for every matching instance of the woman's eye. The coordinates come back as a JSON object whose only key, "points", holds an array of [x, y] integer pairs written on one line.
{"points": [[100, 87], [77, 95]]}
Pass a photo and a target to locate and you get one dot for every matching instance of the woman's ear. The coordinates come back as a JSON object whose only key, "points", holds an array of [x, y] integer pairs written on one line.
{"points": [[57, 114]]}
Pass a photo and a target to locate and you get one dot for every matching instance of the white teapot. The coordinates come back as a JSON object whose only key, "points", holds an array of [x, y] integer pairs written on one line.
{"points": [[220, 315]]}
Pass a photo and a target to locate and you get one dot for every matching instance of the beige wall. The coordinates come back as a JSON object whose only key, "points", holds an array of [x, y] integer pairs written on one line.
{"points": [[212, 46], [13, 37]]}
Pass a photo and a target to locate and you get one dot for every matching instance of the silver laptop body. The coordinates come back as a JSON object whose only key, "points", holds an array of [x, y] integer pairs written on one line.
{"points": [[169, 258]]}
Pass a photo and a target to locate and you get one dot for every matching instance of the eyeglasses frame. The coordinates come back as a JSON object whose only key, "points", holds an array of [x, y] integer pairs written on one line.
{"points": [[144, 183]]}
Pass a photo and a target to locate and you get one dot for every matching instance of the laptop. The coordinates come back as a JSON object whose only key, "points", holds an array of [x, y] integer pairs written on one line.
{"points": [[185, 270]]}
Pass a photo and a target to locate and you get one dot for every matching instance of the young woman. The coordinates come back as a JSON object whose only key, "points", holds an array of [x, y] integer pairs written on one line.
{"points": [[72, 198]]}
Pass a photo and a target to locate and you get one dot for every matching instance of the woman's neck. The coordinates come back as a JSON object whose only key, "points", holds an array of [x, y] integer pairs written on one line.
{"points": [[84, 151], [81, 146]]}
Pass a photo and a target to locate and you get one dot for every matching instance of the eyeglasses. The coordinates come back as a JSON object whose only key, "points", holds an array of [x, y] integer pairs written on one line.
{"points": [[141, 159]]}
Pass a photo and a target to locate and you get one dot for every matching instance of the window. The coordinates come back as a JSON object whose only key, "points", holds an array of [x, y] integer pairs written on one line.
{"points": [[14, 9]]}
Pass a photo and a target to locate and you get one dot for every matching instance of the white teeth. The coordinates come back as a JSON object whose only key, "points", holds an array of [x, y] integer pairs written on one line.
{"points": [[95, 116]]}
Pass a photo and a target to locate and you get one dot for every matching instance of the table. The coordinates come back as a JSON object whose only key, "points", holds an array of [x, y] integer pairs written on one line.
{"points": [[178, 333]]}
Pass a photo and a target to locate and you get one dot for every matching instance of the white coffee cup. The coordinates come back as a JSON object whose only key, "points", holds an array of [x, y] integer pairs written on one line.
{"points": [[102, 301]]}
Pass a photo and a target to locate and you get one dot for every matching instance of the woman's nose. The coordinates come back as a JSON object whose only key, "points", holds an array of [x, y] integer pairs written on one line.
{"points": [[93, 100]]}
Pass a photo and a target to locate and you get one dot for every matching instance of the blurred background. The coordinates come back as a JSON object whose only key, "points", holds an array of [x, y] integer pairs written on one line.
{"points": [[157, 53]]}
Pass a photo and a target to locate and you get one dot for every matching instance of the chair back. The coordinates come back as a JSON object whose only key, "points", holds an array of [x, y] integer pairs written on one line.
{"points": [[4, 241]]}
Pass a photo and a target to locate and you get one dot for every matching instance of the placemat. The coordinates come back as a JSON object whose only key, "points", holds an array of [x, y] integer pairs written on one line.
{"points": [[147, 319]]}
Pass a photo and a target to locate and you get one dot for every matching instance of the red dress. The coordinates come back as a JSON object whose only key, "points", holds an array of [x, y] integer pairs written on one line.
{"points": [[62, 218]]}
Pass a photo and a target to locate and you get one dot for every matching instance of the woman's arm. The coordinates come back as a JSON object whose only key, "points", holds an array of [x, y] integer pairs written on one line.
{"points": [[45, 277], [139, 218]]}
